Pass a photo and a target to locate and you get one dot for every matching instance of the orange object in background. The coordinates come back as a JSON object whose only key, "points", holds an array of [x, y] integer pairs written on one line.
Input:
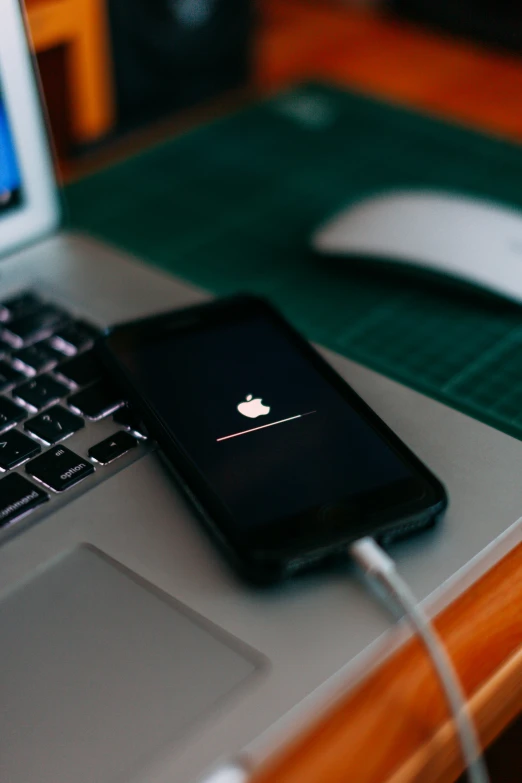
{"points": [[296, 40], [382, 55], [81, 26]]}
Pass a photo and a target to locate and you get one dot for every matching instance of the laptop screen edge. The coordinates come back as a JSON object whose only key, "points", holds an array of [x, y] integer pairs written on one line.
{"points": [[39, 212]]}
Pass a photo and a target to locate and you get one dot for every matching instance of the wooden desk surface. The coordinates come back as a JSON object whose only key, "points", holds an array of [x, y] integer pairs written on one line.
{"points": [[394, 727]]}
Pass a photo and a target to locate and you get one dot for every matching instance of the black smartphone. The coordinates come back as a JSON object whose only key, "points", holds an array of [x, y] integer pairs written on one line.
{"points": [[284, 461]]}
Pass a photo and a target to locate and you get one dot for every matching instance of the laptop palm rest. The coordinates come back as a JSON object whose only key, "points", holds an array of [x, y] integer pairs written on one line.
{"points": [[99, 670]]}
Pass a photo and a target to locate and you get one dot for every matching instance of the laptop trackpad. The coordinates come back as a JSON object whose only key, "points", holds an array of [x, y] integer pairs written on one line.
{"points": [[98, 671]]}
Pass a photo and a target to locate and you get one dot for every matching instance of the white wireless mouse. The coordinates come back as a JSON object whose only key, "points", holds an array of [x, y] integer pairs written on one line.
{"points": [[470, 239]]}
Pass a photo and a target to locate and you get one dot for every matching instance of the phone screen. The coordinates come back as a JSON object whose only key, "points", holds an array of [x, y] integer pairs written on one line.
{"points": [[272, 435]]}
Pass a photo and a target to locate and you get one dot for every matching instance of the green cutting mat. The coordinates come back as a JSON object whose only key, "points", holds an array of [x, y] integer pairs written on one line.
{"points": [[231, 206]]}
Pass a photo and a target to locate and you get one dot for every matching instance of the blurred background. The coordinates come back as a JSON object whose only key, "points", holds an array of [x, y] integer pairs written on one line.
{"points": [[110, 67]]}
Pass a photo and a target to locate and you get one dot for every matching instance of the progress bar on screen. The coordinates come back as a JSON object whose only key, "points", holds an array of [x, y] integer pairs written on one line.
{"points": [[264, 426]]}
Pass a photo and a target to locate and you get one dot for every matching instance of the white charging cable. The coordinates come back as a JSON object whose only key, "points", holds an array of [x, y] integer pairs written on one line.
{"points": [[376, 564], [379, 566]]}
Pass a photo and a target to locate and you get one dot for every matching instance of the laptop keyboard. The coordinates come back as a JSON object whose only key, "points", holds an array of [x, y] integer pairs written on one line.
{"points": [[53, 388]]}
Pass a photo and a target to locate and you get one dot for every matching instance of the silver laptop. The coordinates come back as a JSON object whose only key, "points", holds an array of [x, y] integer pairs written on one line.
{"points": [[128, 650]]}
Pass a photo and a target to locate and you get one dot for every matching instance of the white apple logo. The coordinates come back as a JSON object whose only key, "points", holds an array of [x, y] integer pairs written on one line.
{"points": [[253, 408]]}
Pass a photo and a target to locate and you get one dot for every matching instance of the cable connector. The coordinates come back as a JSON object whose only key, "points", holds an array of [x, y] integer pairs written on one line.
{"points": [[371, 558], [229, 773]]}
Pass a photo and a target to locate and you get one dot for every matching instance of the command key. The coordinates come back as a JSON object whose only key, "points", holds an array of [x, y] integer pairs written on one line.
{"points": [[18, 497]]}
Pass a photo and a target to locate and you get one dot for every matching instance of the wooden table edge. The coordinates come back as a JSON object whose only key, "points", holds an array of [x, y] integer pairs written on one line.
{"points": [[492, 707], [393, 727]]}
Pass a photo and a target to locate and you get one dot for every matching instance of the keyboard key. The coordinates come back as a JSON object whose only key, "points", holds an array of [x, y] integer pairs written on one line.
{"points": [[28, 328], [50, 349], [74, 337], [5, 348], [127, 417], [59, 468], [16, 448], [19, 305], [111, 448], [41, 391], [36, 358], [9, 376], [54, 424], [18, 496], [97, 400], [10, 413], [82, 369]]}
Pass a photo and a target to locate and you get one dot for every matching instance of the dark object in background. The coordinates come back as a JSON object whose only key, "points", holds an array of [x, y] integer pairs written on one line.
{"points": [[53, 74], [497, 22], [169, 54], [503, 757]]}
